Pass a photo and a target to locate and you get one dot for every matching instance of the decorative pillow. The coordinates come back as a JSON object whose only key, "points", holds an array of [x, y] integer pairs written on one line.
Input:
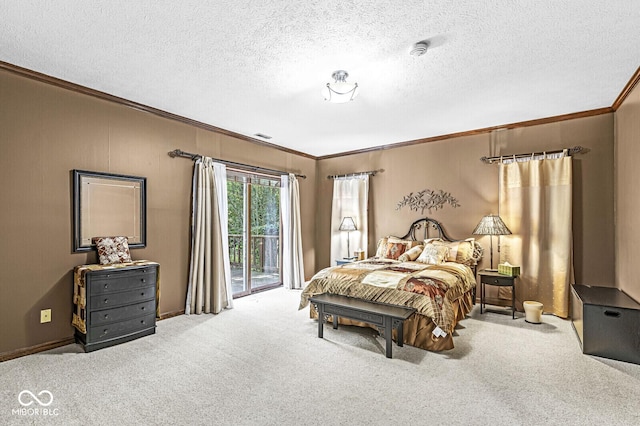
{"points": [[408, 243], [394, 250], [433, 254], [112, 249], [411, 254], [382, 247], [459, 251]]}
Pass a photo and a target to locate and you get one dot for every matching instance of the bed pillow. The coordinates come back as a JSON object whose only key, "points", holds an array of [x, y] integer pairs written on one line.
{"points": [[459, 251], [411, 254], [394, 250], [112, 249], [382, 247], [433, 254]]}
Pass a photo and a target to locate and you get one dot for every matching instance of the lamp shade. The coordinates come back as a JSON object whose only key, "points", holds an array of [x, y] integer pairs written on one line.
{"points": [[491, 224], [347, 224]]}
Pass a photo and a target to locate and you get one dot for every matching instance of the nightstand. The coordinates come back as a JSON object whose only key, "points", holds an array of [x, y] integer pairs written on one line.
{"points": [[494, 278]]}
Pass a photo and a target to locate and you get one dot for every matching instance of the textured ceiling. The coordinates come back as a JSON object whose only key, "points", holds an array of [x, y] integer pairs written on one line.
{"points": [[258, 66]]}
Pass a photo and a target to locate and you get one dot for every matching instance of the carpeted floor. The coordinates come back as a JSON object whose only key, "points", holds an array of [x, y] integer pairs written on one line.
{"points": [[262, 364]]}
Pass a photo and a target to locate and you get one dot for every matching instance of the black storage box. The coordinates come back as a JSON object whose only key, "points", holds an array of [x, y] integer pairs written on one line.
{"points": [[607, 322]]}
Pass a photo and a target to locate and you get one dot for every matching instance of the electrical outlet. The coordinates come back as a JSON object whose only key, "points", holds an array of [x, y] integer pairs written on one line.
{"points": [[45, 315]]}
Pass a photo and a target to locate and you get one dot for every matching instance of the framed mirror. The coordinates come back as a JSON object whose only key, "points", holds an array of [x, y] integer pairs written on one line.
{"points": [[107, 205]]}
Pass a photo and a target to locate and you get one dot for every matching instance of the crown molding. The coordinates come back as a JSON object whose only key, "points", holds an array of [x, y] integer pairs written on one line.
{"points": [[520, 124], [34, 75], [635, 78], [44, 78]]}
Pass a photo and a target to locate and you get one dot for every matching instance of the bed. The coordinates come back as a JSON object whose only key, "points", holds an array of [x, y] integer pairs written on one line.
{"points": [[435, 275]]}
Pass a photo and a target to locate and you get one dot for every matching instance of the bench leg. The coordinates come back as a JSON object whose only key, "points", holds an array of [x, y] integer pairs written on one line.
{"points": [[387, 335], [400, 332], [335, 322], [320, 319]]}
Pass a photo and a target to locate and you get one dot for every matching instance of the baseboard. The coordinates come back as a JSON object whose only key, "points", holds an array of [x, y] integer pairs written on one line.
{"points": [[171, 314], [6, 356]]}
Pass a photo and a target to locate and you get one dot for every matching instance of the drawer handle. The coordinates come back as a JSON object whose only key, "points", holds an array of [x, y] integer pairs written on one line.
{"points": [[105, 331], [142, 308], [612, 314], [143, 280], [106, 286], [142, 294], [106, 316], [106, 301], [142, 322]]}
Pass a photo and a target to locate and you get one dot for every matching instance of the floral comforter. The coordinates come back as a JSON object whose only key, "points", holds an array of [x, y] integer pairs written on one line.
{"points": [[430, 289]]}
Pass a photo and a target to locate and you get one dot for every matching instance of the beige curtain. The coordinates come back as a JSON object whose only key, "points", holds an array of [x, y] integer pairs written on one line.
{"points": [[209, 286], [292, 254], [535, 203], [350, 198]]}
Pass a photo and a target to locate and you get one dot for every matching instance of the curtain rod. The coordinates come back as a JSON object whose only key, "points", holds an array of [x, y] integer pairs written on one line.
{"points": [[370, 172], [180, 153], [570, 151]]}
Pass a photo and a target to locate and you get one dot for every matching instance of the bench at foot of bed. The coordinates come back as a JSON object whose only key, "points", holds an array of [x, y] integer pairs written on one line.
{"points": [[385, 317]]}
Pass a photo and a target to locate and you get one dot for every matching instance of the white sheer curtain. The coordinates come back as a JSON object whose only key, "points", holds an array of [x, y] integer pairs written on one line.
{"points": [[209, 286], [536, 204], [350, 198], [292, 255]]}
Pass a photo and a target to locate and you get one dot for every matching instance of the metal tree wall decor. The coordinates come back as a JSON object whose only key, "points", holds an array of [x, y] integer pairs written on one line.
{"points": [[428, 199]]}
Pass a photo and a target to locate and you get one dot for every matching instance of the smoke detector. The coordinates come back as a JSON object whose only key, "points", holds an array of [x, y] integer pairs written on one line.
{"points": [[420, 48]]}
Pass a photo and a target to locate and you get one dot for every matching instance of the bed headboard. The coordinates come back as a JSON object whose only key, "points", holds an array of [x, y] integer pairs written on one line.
{"points": [[424, 224]]}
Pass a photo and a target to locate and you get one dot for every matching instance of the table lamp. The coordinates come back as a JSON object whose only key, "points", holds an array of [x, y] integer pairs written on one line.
{"points": [[491, 225], [348, 225]]}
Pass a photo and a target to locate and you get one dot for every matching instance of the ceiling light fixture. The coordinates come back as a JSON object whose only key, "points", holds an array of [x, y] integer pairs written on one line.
{"points": [[419, 49], [340, 91]]}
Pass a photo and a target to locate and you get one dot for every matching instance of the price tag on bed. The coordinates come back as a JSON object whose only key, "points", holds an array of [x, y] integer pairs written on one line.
{"points": [[438, 332]]}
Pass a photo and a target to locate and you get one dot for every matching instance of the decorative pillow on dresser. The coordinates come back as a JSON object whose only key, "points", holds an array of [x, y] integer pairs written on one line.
{"points": [[112, 249]]}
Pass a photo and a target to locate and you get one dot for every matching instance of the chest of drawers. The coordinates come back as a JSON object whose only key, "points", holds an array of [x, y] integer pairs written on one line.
{"points": [[119, 305]]}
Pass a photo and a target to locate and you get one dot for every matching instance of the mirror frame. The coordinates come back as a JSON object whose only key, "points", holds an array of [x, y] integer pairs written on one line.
{"points": [[78, 203]]}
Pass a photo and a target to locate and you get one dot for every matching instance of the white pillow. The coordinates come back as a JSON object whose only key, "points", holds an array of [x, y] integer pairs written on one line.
{"points": [[433, 254]]}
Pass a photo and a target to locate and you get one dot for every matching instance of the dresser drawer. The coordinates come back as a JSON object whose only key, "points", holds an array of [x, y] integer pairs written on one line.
{"points": [[117, 329], [488, 279], [106, 316], [115, 281], [104, 301]]}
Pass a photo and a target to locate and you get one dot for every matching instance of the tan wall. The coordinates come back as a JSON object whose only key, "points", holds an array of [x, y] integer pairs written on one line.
{"points": [[45, 132], [627, 176], [454, 165]]}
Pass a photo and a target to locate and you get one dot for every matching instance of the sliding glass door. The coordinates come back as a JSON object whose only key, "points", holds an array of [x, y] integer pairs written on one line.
{"points": [[254, 232]]}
